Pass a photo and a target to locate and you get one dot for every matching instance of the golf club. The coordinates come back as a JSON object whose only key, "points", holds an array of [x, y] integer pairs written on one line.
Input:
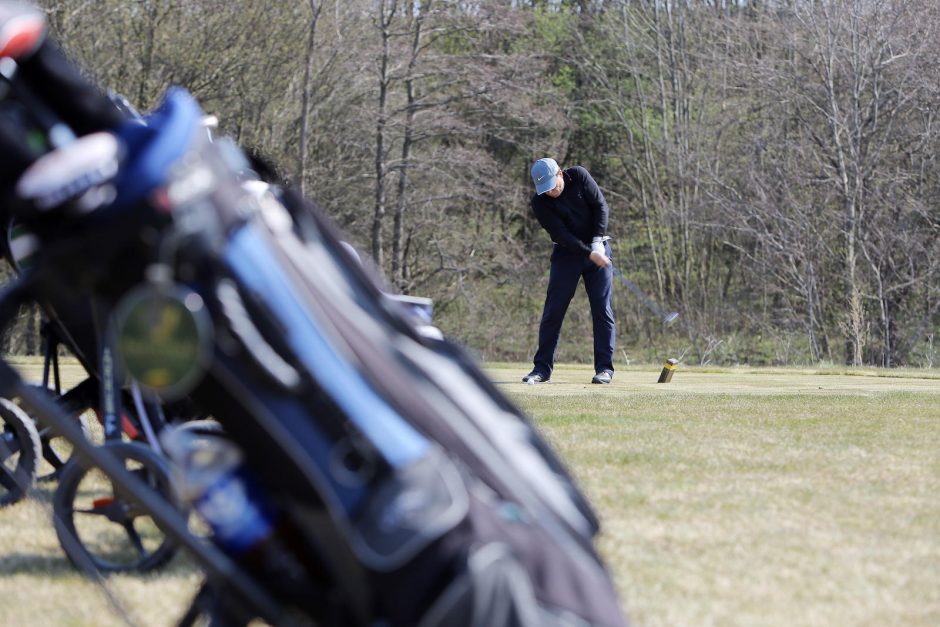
{"points": [[667, 318]]}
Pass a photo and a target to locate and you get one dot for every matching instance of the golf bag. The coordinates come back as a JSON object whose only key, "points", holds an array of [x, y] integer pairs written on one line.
{"points": [[369, 474], [75, 320]]}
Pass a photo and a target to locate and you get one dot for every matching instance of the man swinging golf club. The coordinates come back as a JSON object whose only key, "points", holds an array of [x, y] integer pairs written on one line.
{"points": [[570, 206]]}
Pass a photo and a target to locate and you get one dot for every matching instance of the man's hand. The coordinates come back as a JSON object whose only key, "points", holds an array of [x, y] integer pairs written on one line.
{"points": [[600, 259], [598, 254]]}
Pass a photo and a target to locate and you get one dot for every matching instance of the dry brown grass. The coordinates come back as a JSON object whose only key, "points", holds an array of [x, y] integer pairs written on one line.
{"points": [[736, 497], [728, 497]]}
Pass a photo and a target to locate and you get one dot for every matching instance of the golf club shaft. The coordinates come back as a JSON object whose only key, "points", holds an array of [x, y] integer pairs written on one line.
{"points": [[646, 300]]}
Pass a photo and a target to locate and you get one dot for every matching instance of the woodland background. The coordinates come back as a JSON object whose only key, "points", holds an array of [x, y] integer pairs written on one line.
{"points": [[770, 165]]}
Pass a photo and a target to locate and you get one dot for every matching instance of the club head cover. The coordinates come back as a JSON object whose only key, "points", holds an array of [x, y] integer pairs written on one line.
{"points": [[22, 30], [76, 175]]}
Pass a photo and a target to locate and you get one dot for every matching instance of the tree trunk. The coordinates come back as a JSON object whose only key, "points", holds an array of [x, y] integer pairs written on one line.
{"points": [[398, 258], [301, 175], [386, 14]]}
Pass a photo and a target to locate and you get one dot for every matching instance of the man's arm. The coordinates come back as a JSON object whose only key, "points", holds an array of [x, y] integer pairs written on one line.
{"points": [[595, 200], [599, 212]]}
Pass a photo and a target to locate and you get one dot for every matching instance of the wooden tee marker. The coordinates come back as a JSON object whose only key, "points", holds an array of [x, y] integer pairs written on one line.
{"points": [[666, 375]]}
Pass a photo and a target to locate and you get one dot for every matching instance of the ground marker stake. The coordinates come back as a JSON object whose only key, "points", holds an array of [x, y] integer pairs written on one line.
{"points": [[666, 375]]}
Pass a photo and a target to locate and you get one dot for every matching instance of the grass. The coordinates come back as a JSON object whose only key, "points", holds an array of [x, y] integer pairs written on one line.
{"points": [[753, 497], [41, 586], [730, 496]]}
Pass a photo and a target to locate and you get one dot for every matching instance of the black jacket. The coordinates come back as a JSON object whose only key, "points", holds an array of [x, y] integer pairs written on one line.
{"points": [[577, 216]]}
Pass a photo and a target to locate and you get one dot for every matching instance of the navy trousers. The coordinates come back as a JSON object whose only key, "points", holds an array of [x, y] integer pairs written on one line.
{"points": [[566, 270]]}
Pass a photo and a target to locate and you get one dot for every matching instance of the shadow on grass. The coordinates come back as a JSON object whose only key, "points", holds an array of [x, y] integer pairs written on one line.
{"points": [[43, 492], [508, 381], [18, 563], [34, 564]]}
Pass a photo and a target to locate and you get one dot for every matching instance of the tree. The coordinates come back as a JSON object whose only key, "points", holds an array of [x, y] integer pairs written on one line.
{"points": [[771, 166]]}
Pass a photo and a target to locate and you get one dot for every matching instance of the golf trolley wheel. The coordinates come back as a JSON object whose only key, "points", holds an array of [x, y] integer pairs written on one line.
{"points": [[56, 450], [92, 517], [20, 452]]}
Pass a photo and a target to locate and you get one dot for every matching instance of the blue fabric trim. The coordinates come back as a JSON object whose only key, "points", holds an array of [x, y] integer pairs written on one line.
{"points": [[152, 149], [295, 419], [393, 437]]}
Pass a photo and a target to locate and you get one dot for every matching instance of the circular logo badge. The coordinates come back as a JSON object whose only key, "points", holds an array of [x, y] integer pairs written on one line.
{"points": [[164, 338]]}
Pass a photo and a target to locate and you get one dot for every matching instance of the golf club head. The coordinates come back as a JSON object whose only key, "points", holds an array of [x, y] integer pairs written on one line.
{"points": [[670, 318]]}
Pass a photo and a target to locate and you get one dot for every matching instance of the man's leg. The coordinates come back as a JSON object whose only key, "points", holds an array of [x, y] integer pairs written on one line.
{"points": [[562, 282], [597, 283]]}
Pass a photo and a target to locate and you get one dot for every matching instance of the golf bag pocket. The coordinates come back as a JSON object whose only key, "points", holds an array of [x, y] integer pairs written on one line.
{"points": [[499, 566], [411, 509], [493, 589]]}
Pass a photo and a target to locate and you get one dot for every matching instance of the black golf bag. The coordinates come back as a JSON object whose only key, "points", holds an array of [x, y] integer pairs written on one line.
{"points": [[369, 474]]}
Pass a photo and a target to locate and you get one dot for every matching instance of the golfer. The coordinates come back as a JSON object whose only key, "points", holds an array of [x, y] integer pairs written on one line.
{"points": [[570, 206]]}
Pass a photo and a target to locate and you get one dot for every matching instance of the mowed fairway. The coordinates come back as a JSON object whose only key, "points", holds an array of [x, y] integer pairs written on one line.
{"points": [[728, 497], [757, 497]]}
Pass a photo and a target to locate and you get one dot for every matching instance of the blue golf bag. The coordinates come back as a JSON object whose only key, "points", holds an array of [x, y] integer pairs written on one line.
{"points": [[368, 474]]}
